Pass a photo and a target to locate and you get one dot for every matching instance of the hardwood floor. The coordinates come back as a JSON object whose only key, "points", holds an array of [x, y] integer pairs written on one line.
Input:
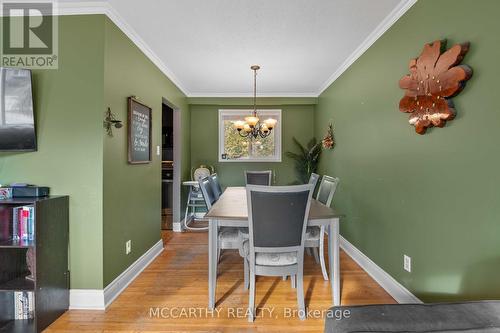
{"points": [[175, 284]]}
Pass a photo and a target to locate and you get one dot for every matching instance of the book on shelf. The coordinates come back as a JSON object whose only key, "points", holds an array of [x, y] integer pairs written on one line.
{"points": [[23, 223], [24, 305]]}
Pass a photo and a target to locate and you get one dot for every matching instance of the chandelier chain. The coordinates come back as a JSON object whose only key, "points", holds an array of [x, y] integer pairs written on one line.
{"points": [[253, 127], [255, 92]]}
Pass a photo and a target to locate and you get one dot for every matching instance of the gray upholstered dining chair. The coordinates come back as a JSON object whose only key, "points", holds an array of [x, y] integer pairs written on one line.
{"points": [[277, 217], [258, 177], [313, 179], [208, 191], [216, 185], [207, 199], [228, 237], [315, 236]]}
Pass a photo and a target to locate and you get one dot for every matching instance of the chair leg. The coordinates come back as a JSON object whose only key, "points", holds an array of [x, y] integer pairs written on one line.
{"points": [[300, 293], [308, 251], [246, 273], [284, 277], [322, 253], [186, 216], [218, 253], [315, 253], [292, 279], [251, 297]]}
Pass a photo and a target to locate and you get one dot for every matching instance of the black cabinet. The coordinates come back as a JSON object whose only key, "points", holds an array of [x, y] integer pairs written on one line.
{"points": [[36, 267]]}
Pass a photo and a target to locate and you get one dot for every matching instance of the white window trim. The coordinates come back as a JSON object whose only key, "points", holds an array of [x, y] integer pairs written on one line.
{"points": [[263, 113]]}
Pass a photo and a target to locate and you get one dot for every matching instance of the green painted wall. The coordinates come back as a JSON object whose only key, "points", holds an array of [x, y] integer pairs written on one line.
{"points": [[110, 200], [297, 120], [434, 197], [68, 108], [132, 193]]}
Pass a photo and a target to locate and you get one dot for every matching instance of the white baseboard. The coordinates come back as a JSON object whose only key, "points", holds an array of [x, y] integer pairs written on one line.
{"points": [[86, 299], [96, 299], [178, 226], [393, 287], [116, 287]]}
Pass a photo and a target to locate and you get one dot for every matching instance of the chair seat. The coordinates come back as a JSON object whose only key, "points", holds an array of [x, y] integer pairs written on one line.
{"points": [[276, 259], [269, 259], [230, 234], [313, 234]]}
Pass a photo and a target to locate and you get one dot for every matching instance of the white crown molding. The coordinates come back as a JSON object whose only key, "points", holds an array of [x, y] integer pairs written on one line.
{"points": [[388, 22], [100, 299], [87, 8], [393, 287], [102, 7], [236, 95], [82, 8]]}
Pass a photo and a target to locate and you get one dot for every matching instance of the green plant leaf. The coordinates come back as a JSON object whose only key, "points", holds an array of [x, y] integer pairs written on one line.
{"points": [[306, 161]]}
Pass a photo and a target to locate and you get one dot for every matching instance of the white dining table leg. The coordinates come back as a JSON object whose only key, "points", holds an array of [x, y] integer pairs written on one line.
{"points": [[212, 262], [334, 259]]}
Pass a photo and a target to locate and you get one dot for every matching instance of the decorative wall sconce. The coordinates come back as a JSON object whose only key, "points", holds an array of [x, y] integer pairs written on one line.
{"points": [[110, 121]]}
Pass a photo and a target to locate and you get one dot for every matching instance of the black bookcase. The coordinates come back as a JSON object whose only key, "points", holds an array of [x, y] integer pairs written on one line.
{"points": [[50, 281]]}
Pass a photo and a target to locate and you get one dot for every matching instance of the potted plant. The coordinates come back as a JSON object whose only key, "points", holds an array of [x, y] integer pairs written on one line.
{"points": [[306, 160]]}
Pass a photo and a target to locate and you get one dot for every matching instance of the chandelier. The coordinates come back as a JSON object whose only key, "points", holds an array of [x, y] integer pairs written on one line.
{"points": [[252, 127]]}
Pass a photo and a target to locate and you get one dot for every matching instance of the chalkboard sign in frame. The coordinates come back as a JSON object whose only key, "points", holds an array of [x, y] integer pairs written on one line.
{"points": [[134, 104]]}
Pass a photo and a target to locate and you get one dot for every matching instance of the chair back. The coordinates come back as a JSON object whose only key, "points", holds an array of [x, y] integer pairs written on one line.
{"points": [[258, 177], [313, 179], [216, 185], [208, 191], [278, 217], [327, 189]]}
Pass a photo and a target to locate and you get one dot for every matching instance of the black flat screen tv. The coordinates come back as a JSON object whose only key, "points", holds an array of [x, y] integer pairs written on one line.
{"points": [[17, 120]]}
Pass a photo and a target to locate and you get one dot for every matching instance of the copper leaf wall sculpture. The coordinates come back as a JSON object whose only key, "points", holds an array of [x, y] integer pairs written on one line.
{"points": [[435, 77]]}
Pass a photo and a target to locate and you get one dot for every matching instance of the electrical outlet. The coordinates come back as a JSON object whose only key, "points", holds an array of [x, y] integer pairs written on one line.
{"points": [[158, 151], [407, 263], [128, 247]]}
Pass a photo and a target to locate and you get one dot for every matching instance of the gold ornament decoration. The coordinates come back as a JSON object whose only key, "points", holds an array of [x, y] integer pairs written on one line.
{"points": [[328, 141]]}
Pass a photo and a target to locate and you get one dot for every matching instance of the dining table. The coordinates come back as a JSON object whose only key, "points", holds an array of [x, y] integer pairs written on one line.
{"points": [[231, 211]]}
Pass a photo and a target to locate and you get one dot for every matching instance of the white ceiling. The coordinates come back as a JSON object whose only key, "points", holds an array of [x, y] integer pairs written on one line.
{"points": [[207, 46]]}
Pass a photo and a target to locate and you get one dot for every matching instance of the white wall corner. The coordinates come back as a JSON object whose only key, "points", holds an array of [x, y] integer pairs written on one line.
{"points": [[393, 17], [393, 287], [97, 299]]}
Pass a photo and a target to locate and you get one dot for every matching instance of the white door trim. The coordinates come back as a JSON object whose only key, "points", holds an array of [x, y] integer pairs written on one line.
{"points": [[176, 190]]}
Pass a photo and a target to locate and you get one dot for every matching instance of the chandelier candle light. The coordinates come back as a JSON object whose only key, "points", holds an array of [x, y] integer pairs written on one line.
{"points": [[252, 127]]}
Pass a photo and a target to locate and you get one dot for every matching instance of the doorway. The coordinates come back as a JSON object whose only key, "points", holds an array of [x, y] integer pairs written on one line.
{"points": [[167, 167], [170, 166]]}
